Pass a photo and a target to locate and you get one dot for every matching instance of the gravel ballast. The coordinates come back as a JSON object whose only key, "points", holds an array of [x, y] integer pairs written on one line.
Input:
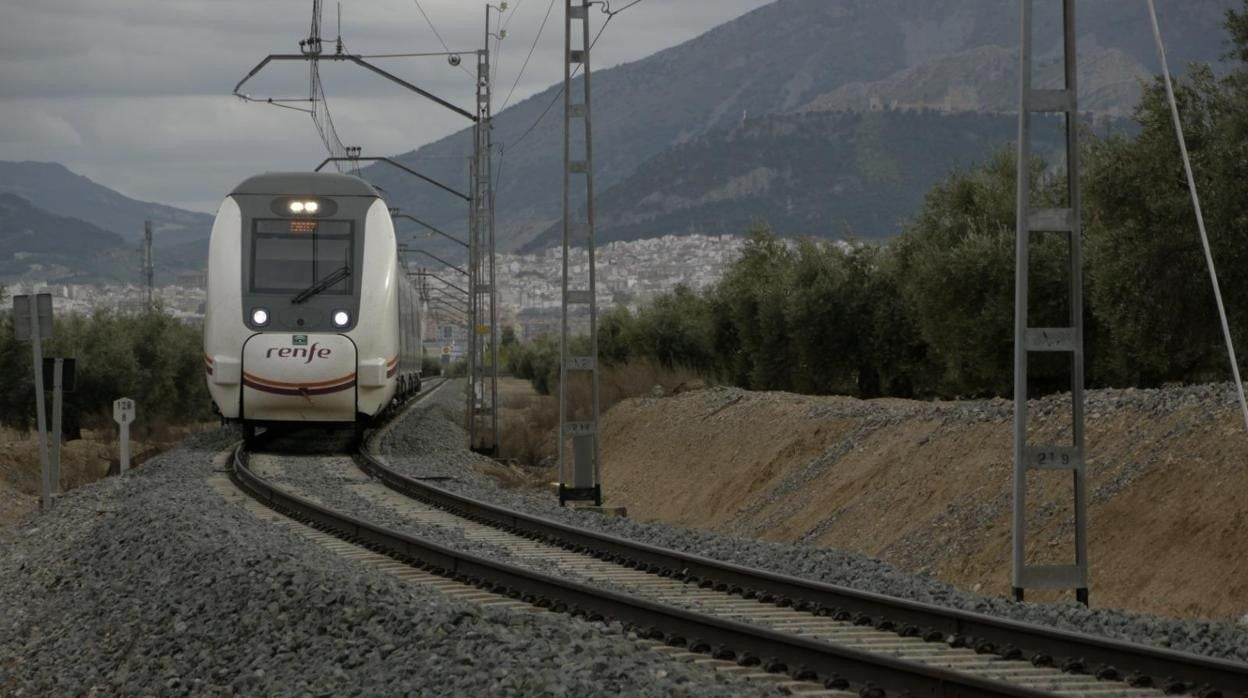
{"points": [[151, 583], [429, 443]]}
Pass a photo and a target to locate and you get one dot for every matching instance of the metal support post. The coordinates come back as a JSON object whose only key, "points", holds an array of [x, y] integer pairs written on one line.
{"points": [[579, 477], [58, 373], [474, 247], [484, 428], [1067, 222], [36, 350], [149, 269]]}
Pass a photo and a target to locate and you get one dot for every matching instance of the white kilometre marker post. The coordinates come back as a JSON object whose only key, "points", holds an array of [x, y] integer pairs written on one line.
{"points": [[123, 414]]}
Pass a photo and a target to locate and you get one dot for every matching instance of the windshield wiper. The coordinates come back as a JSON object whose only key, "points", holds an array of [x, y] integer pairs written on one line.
{"points": [[342, 273]]}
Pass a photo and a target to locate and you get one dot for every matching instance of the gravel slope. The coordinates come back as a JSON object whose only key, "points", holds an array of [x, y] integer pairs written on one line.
{"points": [[428, 443], [152, 584]]}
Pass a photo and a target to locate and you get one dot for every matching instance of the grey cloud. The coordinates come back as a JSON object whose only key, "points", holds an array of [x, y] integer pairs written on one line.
{"points": [[135, 93]]}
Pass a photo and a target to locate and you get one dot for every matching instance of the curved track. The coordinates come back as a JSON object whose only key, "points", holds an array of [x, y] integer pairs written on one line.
{"points": [[845, 639]]}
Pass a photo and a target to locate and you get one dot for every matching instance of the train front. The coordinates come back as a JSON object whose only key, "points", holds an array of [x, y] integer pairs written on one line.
{"points": [[299, 323]]}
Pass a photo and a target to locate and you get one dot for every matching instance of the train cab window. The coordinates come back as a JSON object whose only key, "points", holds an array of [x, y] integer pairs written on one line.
{"points": [[288, 256]]}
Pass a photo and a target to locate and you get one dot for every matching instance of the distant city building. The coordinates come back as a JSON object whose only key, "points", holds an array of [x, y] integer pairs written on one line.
{"points": [[529, 286], [629, 274]]}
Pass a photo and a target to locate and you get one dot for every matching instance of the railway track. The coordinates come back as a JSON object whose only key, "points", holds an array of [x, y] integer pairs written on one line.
{"points": [[709, 611]]}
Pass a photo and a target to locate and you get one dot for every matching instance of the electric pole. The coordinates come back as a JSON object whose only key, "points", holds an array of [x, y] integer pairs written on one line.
{"points": [[1069, 457], [483, 336], [579, 479], [149, 272]]}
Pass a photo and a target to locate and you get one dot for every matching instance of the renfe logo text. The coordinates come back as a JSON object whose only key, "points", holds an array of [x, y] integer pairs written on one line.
{"points": [[306, 353]]}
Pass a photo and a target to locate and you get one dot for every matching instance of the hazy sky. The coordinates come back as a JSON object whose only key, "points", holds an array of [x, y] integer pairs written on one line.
{"points": [[135, 94]]}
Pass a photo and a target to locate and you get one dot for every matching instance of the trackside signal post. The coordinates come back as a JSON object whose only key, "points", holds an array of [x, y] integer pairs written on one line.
{"points": [[579, 476], [1071, 457], [32, 322], [60, 373]]}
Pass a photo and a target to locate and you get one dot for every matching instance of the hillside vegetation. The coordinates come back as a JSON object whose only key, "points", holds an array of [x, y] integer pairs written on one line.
{"points": [[815, 173], [39, 244], [149, 357], [53, 188], [774, 61], [931, 314]]}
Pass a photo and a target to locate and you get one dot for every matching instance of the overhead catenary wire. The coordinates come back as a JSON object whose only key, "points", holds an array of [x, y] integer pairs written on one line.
{"points": [[412, 55], [324, 122], [438, 34], [606, 7], [1200, 216], [507, 22], [321, 115], [610, 14], [498, 49], [549, 8], [576, 71]]}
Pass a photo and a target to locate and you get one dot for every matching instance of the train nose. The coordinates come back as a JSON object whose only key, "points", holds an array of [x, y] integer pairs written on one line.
{"points": [[305, 377]]}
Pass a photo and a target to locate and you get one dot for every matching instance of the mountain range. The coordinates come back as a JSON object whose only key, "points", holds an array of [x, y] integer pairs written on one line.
{"points": [[36, 243], [835, 173], [819, 116], [948, 56], [59, 226], [55, 188]]}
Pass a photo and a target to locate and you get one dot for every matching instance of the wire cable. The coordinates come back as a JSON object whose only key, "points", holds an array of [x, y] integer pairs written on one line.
{"points": [[540, 30], [606, 7], [1200, 216], [576, 71], [324, 122], [513, 13], [437, 33], [558, 94]]}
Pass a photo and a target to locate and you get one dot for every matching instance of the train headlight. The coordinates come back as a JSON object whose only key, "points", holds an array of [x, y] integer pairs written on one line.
{"points": [[308, 207], [259, 317], [341, 318], [303, 207]]}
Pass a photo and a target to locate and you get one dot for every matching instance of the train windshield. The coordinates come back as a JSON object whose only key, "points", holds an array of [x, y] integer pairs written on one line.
{"points": [[289, 256]]}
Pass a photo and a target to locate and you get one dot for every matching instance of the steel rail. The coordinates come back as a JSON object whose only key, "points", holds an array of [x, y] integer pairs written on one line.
{"points": [[678, 627], [1141, 665]]}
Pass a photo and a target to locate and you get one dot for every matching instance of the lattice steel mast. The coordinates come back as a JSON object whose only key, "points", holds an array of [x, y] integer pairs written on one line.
{"points": [[1070, 457], [579, 477], [483, 337]]}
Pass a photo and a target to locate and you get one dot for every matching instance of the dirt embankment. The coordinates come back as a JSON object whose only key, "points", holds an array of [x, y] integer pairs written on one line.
{"points": [[82, 461], [927, 486]]}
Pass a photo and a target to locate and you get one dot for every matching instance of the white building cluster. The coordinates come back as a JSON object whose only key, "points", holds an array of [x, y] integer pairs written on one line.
{"points": [[629, 274], [183, 302]]}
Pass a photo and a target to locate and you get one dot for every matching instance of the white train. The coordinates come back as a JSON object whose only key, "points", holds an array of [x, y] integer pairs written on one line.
{"points": [[310, 316]]}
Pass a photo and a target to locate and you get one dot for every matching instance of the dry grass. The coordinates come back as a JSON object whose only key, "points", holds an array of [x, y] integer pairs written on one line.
{"points": [[527, 429], [83, 461], [513, 476], [529, 421]]}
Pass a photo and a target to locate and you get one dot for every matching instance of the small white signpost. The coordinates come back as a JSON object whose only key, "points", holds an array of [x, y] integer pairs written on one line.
{"points": [[123, 414]]}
